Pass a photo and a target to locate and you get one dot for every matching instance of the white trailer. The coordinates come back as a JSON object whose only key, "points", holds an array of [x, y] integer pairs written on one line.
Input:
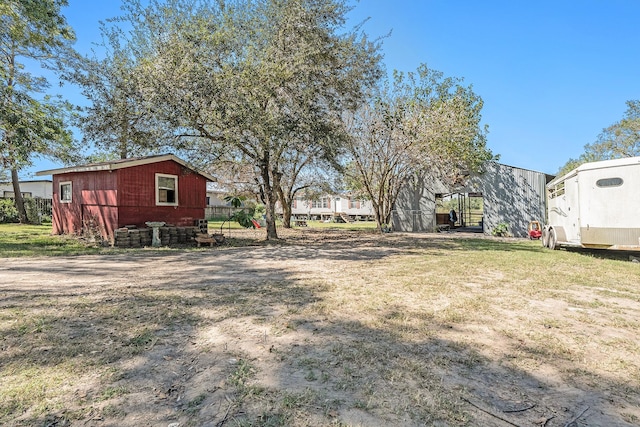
{"points": [[596, 205]]}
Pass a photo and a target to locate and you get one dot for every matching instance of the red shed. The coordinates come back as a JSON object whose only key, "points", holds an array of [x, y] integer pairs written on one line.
{"points": [[114, 194]]}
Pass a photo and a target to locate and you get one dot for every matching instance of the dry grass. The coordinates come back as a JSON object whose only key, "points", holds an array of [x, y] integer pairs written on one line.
{"points": [[327, 327]]}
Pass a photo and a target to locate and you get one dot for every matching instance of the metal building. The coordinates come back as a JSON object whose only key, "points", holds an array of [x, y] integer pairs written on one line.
{"points": [[509, 195]]}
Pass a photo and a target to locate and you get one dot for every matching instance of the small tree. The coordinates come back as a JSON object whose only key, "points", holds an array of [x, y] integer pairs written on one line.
{"points": [[242, 215], [118, 120], [8, 212], [421, 123], [621, 139]]}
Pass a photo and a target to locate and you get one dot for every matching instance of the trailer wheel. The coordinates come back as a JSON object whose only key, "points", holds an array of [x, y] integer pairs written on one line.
{"points": [[553, 240], [545, 237]]}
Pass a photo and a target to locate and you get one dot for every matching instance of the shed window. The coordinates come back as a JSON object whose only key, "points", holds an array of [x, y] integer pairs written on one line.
{"points": [[166, 190], [65, 192], [609, 182]]}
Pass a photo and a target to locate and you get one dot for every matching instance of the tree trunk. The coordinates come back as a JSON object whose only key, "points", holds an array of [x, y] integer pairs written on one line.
{"points": [[286, 215], [18, 201], [270, 201], [286, 208], [378, 216]]}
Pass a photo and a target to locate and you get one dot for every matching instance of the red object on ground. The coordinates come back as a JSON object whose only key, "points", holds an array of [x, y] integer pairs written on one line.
{"points": [[534, 229], [535, 234], [255, 223]]}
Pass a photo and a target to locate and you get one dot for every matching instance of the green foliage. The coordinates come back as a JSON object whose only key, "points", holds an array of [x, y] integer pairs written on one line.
{"points": [[419, 125], [119, 120], [32, 124], [33, 213], [38, 32], [8, 211], [259, 211], [242, 216], [269, 97], [501, 230], [621, 139], [235, 201]]}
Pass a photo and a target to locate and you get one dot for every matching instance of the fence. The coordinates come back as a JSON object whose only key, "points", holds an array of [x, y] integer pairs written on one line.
{"points": [[43, 206], [211, 212]]}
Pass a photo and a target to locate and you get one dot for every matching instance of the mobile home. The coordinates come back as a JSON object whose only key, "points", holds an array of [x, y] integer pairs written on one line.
{"points": [[596, 205]]}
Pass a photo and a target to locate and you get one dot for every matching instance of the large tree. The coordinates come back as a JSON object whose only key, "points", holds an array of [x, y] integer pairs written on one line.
{"points": [[421, 123], [247, 81], [33, 32], [118, 121], [621, 139]]}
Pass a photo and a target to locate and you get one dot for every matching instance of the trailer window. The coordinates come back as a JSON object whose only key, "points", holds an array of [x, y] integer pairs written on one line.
{"points": [[609, 182], [557, 190]]}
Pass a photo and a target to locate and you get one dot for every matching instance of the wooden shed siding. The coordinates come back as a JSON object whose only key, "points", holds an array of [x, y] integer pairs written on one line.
{"points": [[137, 195], [129, 215], [94, 188], [104, 218], [126, 196], [137, 185]]}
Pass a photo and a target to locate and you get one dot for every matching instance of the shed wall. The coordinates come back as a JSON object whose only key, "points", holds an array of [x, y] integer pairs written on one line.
{"points": [[137, 195], [107, 200], [93, 203]]}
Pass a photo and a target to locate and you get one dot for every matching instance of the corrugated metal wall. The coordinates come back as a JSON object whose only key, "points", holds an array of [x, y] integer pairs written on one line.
{"points": [[415, 209], [514, 196], [511, 195]]}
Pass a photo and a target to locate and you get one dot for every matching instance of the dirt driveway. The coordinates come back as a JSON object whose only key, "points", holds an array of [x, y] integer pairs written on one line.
{"points": [[341, 329]]}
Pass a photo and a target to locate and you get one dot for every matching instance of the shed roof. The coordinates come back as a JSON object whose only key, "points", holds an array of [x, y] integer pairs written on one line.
{"points": [[121, 164]]}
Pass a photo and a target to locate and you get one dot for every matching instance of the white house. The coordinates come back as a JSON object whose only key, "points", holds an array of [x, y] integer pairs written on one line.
{"points": [[332, 206], [36, 189]]}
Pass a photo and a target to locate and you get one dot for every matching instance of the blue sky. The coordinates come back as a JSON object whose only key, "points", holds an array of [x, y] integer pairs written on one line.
{"points": [[552, 74]]}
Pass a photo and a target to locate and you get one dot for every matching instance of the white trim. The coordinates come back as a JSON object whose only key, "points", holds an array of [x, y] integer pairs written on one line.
{"points": [[124, 163], [70, 184], [157, 187]]}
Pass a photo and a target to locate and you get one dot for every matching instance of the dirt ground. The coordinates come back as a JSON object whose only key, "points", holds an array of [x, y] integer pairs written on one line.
{"points": [[313, 332]]}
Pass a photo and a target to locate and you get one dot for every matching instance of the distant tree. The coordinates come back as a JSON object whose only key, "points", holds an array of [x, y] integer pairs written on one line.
{"points": [[420, 123], [31, 123], [302, 171], [245, 81], [621, 139]]}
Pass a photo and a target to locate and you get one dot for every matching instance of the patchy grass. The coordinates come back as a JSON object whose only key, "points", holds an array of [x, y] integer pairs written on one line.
{"points": [[17, 240], [326, 327]]}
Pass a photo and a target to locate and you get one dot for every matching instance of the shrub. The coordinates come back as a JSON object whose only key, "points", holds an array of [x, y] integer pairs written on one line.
{"points": [[33, 213], [501, 230], [8, 212]]}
